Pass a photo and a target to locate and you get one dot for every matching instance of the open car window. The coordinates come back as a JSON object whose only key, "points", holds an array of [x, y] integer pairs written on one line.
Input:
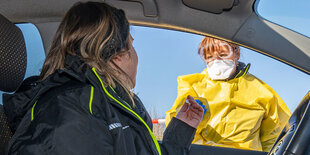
{"points": [[165, 54]]}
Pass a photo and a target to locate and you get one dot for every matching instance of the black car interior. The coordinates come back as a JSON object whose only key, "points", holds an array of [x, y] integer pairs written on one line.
{"points": [[295, 137]]}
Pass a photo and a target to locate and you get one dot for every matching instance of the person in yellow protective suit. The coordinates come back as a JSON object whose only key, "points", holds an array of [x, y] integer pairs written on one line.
{"points": [[246, 113]]}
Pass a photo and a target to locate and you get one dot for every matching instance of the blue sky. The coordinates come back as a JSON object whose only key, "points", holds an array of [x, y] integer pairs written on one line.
{"points": [[288, 13], [165, 54]]}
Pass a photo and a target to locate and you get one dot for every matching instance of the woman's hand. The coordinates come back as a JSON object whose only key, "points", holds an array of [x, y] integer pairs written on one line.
{"points": [[191, 112]]}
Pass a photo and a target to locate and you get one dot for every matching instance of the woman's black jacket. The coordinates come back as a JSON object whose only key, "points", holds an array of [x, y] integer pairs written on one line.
{"points": [[71, 113]]}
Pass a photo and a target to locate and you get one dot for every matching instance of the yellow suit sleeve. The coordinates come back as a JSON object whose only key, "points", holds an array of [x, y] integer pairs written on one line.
{"points": [[276, 116], [184, 89]]}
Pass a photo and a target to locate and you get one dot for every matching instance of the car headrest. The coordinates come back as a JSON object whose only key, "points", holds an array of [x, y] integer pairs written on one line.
{"points": [[13, 57]]}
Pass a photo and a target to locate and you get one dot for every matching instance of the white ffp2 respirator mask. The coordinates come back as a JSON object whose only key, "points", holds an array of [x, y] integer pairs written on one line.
{"points": [[220, 69]]}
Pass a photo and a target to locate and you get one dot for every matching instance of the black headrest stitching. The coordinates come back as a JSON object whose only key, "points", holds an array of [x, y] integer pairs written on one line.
{"points": [[13, 56]]}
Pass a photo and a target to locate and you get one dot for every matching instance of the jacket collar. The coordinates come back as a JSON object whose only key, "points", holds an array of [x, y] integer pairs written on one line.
{"points": [[82, 72], [241, 70]]}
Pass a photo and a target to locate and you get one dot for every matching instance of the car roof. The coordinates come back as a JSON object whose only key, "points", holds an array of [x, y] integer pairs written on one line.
{"points": [[232, 20]]}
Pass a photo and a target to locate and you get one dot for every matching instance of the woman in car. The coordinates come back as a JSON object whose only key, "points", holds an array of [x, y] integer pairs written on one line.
{"points": [[83, 103], [245, 112]]}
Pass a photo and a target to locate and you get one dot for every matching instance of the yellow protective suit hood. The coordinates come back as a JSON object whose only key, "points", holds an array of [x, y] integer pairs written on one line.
{"points": [[246, 113]]}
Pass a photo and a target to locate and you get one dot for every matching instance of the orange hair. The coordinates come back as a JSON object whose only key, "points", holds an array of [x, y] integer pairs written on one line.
{"points": [[211, 44]]}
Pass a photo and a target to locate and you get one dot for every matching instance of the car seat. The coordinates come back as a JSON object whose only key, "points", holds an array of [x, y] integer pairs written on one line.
{"points": [[13, 63]]}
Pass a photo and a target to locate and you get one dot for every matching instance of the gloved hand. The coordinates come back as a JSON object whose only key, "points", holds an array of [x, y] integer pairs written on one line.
{"points": [[203, 106]]}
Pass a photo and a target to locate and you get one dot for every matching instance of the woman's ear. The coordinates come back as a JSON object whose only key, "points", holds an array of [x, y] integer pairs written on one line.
{"points": [[120, 60], [117, 59], [120, 57]]}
